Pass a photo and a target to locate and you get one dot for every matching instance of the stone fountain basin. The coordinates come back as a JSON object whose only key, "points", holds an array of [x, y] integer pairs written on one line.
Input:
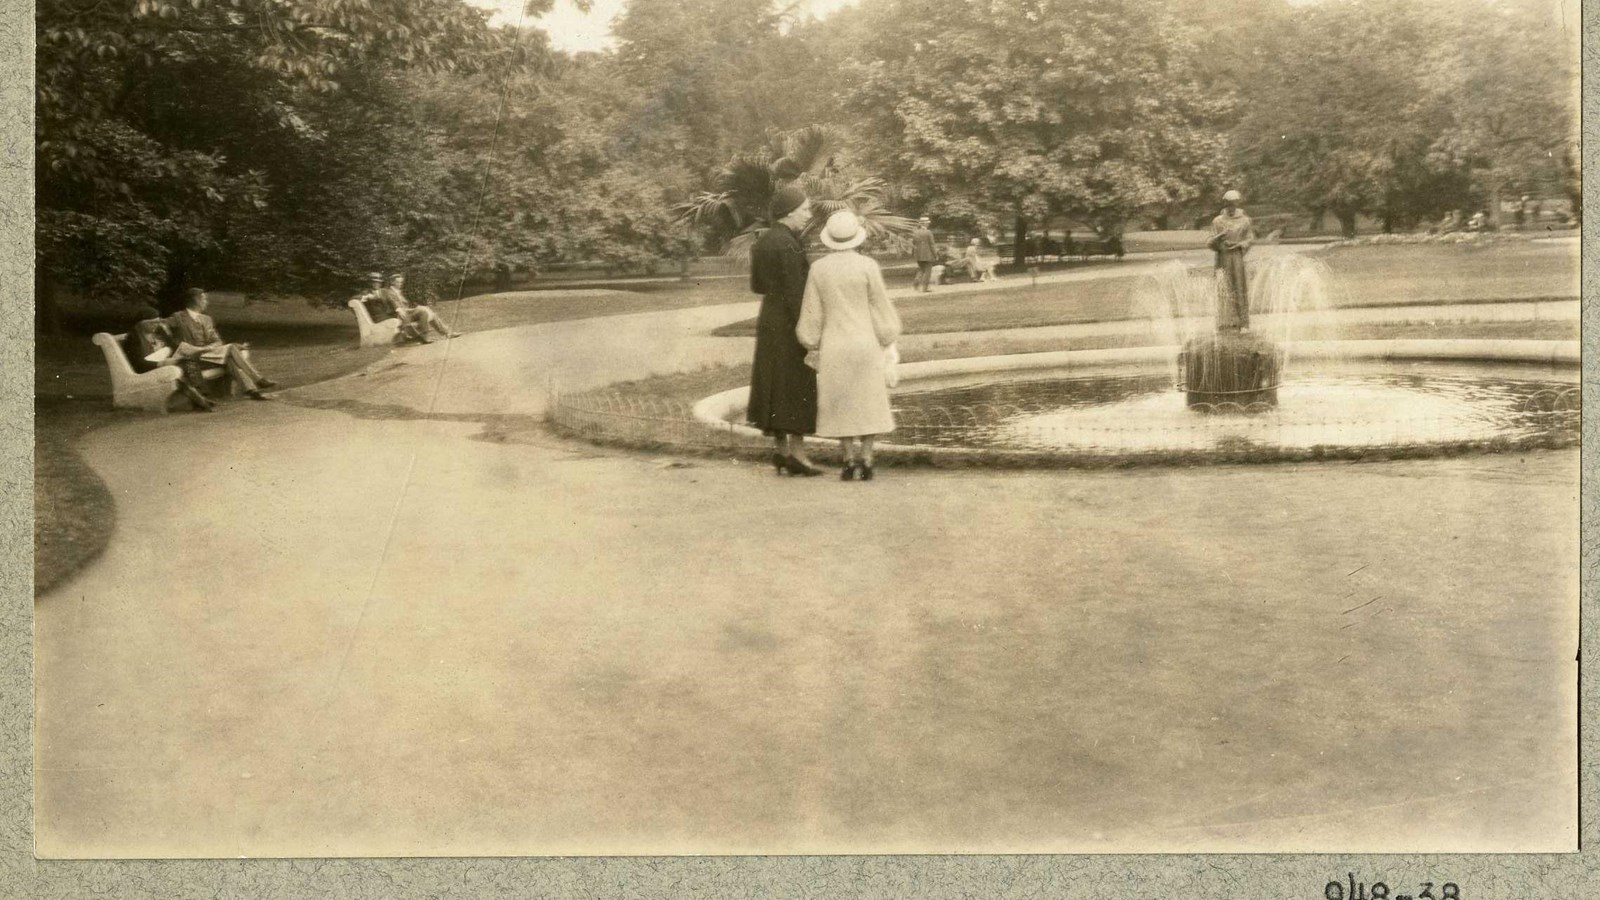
{"points": [[724, 410]]}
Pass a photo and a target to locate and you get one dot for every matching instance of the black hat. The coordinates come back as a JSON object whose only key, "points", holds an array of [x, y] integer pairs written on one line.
{"points": [[786, 200]]}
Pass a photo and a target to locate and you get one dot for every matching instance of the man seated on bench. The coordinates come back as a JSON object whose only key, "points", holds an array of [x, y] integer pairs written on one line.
{"points": [[420, 317], [381, 307], [151, 346], [198, 340]]}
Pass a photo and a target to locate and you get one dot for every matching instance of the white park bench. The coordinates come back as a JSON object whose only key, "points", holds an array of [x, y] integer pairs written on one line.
{"points": [[374, 334], [146, 390]]}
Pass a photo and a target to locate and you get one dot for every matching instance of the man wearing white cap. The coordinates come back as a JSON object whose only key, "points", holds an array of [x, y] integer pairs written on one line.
{"points": [[1232, 234]]}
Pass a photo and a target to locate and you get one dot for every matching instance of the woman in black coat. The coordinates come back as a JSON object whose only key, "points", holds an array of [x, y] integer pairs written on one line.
{"points": [[783, 389]]}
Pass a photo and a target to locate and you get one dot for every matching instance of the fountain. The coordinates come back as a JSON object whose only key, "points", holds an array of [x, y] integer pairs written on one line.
{"points": [[1252, 385], [1232, 358]]}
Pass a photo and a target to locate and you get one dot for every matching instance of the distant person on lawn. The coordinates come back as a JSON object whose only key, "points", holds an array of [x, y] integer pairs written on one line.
{"points": [[419, 316], [198, 340], [926, 254], [1232, 235], [152, 346], [783, 389], [974, 262]]}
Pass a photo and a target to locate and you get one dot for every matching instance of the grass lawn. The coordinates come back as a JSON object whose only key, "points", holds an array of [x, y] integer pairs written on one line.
{"points": [[73, 513], [1364, 276]]}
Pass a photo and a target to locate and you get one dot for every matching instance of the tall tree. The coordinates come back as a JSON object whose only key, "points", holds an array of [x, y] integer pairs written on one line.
{"points": [[214, 134], [994, 109], [710, 78], [534, 173], [1404, 110], [1340, 122], [1507, 71]]}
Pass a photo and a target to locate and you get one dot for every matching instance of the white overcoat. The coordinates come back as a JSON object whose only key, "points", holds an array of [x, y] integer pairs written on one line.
{"points": [[847, 317]]}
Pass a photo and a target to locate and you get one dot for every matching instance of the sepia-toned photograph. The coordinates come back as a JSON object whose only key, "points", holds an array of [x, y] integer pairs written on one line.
{"points": [[469, 428]]}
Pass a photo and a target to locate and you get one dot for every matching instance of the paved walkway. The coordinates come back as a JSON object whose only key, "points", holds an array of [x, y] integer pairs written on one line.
{"points": [[391, 614]]}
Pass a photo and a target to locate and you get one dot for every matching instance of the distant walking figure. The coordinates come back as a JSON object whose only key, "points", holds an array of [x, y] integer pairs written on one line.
{"points": [[925, 254], [848, 320], [783, 389], [1232, 236]]}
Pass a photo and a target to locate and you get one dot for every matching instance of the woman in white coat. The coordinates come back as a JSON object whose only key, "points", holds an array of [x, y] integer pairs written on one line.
{"points": [[848, 323]]}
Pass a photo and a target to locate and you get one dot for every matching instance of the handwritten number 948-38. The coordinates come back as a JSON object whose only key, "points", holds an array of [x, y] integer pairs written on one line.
{"points": [[1352, 889]]}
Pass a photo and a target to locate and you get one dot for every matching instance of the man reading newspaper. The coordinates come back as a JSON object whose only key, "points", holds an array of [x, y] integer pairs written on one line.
{"points": [[198, 339]]}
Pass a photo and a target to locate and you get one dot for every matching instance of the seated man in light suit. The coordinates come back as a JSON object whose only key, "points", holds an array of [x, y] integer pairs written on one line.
{"points": [[151, 346], [418, 316], [381, 307], [198, 340]]}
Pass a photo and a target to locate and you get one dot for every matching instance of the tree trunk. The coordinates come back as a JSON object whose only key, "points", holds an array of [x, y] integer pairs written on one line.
{"points": [[1019, 246], [1347, 222]]}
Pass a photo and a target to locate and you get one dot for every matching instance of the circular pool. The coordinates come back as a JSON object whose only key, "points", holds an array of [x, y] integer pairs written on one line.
{"points": [[1347, 405], [1338, 399]]}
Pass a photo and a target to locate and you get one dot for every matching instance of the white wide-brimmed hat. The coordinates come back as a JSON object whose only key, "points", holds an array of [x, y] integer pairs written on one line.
{"points": [[843, 231], [1232, 195]]}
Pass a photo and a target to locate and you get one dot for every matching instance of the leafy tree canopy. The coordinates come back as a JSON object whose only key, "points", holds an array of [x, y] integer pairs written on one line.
{"points": [[1405, 110], [1086, 108], [219, 135]]}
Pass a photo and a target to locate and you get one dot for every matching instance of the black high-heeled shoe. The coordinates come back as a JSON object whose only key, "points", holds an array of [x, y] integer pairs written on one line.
{"points": [[778, 461], [796, 467], [848, 473], [864, 473]]}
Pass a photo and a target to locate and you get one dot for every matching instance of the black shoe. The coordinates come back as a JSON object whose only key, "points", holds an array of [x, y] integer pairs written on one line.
{"points": [[266, 383], [796, 467], [198, 400], [848, 473], [257, 395], [778, 460], [864, 472]]}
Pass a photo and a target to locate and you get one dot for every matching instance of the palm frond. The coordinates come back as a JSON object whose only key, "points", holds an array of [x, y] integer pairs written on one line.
{"points": [[747, 181], [810, 148], [740, 245], [706, 208]]}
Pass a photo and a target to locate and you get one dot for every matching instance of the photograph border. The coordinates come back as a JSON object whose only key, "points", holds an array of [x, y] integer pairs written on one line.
{"points": [[1480, 876]]}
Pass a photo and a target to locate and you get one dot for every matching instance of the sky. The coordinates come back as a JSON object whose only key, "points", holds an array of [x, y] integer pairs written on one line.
{"points": [[574, 31]]}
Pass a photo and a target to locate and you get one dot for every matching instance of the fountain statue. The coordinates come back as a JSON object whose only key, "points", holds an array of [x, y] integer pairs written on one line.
{"points": [[1231, 368]]}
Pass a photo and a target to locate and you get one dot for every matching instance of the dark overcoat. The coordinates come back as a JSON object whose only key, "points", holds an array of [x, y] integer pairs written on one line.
{"points": [[783, 389]]}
